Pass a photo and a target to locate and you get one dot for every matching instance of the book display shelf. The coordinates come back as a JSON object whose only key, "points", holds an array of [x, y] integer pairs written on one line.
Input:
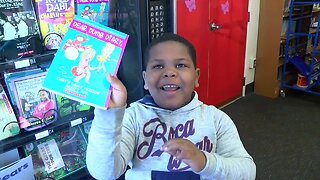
{"points": [[25, 52]]}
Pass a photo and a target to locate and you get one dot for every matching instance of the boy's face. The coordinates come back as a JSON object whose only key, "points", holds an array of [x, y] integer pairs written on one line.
{"points": [[170, 75]]}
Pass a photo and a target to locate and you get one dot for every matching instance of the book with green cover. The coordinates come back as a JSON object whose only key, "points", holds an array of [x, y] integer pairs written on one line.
{"points": [[8, 121]]}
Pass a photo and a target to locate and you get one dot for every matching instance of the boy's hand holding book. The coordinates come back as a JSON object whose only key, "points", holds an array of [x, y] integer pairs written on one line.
{"points": [[118, 96]]}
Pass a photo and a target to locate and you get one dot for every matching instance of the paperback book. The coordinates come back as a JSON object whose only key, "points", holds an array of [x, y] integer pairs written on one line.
{"points": [[19, 31], [36, 106], [12, 75], [8, 121], [94, 10], [68, 106], [88, 53], [58, 155], [54, 19]]}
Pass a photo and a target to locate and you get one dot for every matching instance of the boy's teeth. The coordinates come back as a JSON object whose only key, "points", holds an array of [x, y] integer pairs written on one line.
{"points": [[170, 87]]}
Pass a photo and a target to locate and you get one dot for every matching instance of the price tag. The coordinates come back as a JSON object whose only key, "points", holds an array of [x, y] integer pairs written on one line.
{"points": [[42, 134], [22, 63], [76, 122]]}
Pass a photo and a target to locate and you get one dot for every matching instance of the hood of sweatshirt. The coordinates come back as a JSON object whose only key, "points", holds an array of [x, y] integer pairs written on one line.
{"points": [[148, 102]]}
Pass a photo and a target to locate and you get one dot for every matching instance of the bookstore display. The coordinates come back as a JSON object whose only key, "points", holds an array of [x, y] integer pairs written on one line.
{"points": [[44, 43]]}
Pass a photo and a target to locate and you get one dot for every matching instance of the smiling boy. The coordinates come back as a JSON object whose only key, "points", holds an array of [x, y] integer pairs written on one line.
{"points": [[168, 134]]}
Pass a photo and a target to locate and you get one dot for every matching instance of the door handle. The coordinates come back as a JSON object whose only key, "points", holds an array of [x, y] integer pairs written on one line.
{"points": [[214, 27]]}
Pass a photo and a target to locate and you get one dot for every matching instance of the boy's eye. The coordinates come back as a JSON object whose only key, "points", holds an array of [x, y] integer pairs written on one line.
{"points": [[158, 66], [181, 65]]}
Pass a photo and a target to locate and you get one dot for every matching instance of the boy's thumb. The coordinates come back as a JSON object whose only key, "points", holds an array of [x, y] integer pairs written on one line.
{"points": [[114, 81]]}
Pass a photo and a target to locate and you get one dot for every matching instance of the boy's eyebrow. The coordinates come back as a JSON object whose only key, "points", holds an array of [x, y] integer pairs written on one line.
{"points": [[178, 59]]}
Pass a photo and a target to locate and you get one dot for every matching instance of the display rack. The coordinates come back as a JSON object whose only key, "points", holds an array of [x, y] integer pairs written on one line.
{"points": [[302, 55], [24, 137]]}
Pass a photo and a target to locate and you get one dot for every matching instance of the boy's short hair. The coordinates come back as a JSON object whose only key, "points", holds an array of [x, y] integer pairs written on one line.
{"points": [[170, 37]]}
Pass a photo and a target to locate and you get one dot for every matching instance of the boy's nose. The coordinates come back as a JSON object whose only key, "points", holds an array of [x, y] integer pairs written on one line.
{"points": [[170, 73]]}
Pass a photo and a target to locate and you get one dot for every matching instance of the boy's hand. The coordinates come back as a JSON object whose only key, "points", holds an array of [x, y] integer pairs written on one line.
{"points": [[119, 92], [185, 150]]}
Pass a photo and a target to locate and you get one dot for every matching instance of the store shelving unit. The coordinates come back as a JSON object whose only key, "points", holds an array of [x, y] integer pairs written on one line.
{"points": [[25, 137], [300, 69]]}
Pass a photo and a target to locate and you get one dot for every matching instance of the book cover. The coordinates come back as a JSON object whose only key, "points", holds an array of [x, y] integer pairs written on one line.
{"points": [[8, 122], [68, 106], [94, 10], [12, 75], [54, 18], [58, 155], [88, 53], [19, 31], [36, 106]]}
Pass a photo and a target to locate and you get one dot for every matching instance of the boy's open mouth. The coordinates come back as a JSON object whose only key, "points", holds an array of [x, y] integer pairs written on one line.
{"points": [[170, 87]]}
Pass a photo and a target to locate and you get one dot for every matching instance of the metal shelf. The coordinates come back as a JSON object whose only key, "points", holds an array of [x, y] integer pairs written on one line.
{"points": [[304, 60], [25, 137], [24, 62]]}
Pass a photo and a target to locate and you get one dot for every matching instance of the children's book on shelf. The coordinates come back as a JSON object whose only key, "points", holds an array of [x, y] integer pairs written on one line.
{"points": [[68, 106], [8, 122], [19, 31], [58, 155], [8, 76], [54, 18], [88, 53], [94, 10], [36, 106]]}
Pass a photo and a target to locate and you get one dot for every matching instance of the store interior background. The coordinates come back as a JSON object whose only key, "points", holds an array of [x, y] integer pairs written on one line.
{"points": [[281, 133]]}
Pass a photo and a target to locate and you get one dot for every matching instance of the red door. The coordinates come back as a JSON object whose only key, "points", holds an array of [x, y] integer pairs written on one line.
{"points": [[217, 28]]}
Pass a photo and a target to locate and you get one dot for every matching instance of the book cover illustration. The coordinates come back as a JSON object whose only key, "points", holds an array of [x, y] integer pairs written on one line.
{"points": [[68, 106], [37, 106], [58, 155], [94, 10], [8, 121], [54, 19], [88, 53], [19, 31], [12, 75]]}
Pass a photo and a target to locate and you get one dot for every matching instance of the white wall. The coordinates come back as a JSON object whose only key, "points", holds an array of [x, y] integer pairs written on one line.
{"points": [[252, 37]]}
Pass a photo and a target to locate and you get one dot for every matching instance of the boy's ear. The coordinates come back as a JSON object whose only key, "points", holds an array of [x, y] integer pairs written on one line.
{"points": [[144, 78], [196, 82]]}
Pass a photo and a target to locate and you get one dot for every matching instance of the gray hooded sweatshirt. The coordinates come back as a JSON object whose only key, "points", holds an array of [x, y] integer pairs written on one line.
{"points": [[134, 136]]}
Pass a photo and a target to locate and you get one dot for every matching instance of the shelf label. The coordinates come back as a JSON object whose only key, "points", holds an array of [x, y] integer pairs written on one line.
{"points": [[43, 134], [76, 122], [22, 63]]}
